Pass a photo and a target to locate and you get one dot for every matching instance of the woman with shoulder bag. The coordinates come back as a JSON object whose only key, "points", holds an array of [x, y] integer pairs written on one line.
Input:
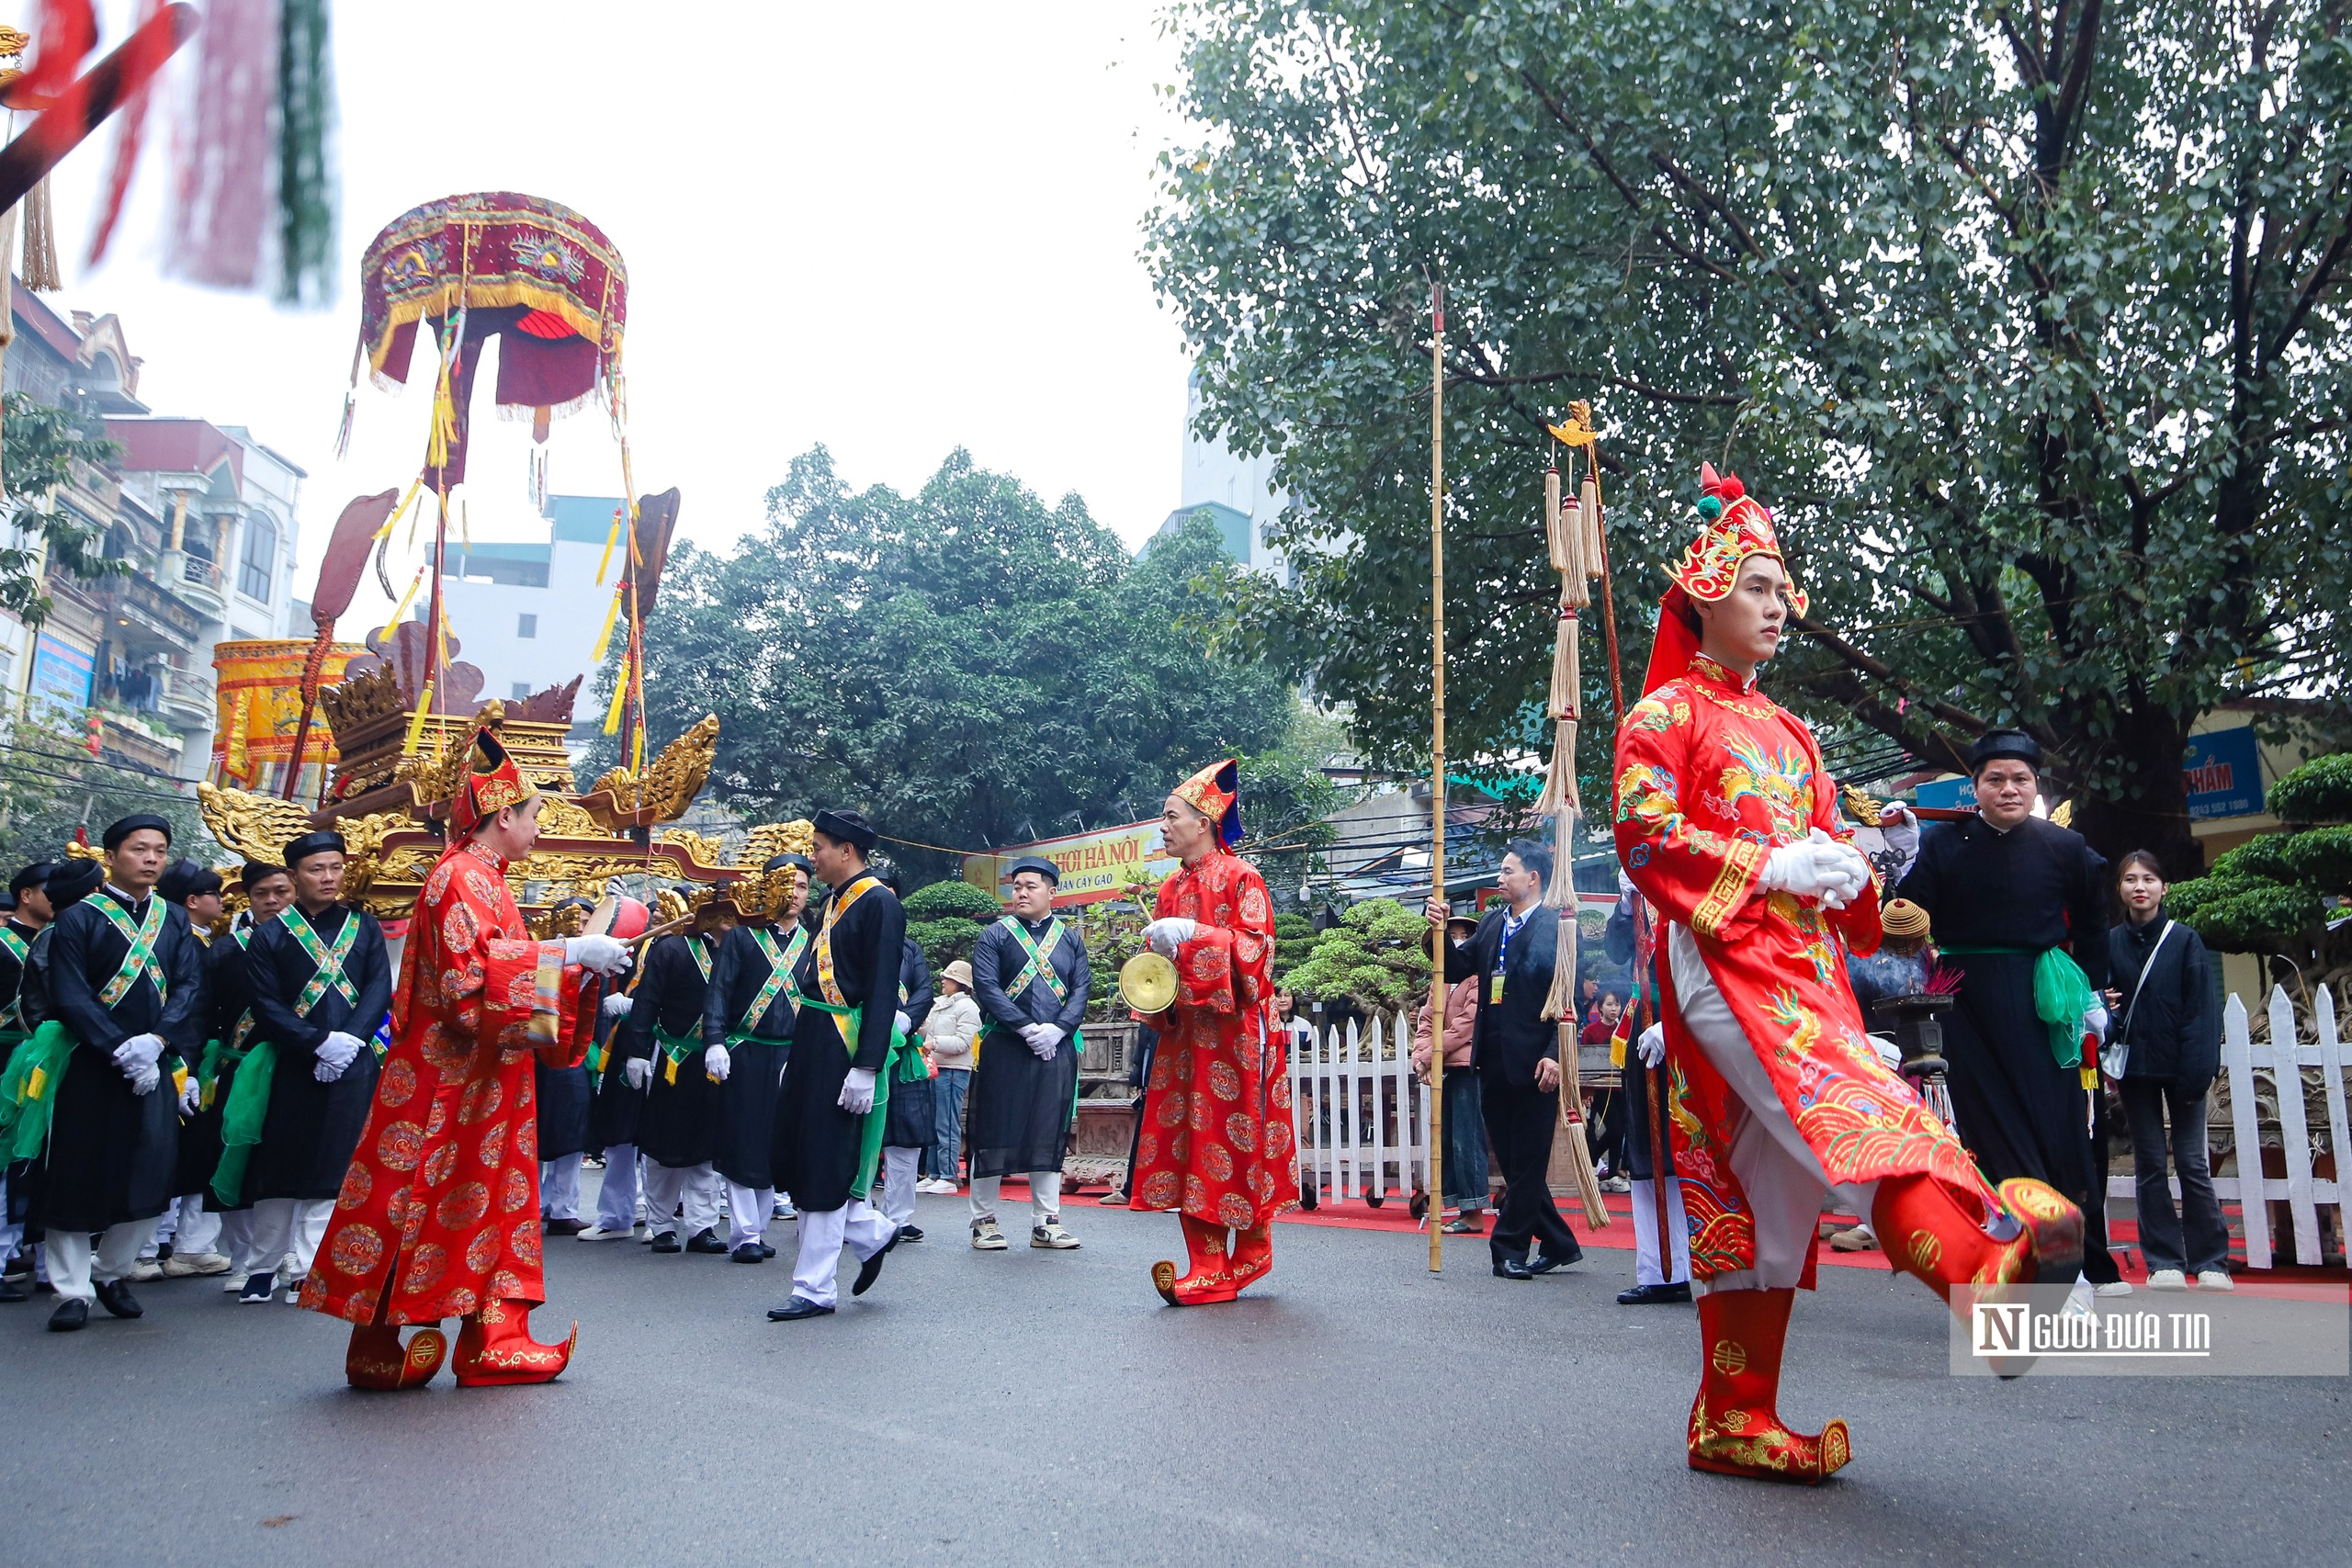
{"points": [[2167, 1032]]}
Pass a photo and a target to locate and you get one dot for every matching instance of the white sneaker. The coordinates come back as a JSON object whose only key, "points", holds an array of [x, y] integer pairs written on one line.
{"points": [[1052, 1238], [233, 1284], [146, 1268], [2167, 1280], [986, 1238], [2114, 1288], [785, 1212], [2215, 1280], [937, 1187], [184, 1264], [598, 1232]]}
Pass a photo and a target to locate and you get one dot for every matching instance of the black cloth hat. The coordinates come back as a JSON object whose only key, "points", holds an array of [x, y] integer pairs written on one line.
{"points": [[132, 824], [849, 827], [1037, 864], [184, 879], [778, 862], [259, 870], [1994, 745], [310, 844], [33, 875], [72, 882]]}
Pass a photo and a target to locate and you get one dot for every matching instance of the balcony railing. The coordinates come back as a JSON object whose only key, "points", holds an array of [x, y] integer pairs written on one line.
{"points": [[185, 698]]}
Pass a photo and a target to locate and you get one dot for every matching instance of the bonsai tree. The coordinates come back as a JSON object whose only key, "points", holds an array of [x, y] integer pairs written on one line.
{"points": [[946, 918], [2285, 894], [1373, 959]]}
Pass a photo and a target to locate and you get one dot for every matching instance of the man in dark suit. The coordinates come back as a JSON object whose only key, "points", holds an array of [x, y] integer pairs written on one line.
{"points": [[1516, 1052]]}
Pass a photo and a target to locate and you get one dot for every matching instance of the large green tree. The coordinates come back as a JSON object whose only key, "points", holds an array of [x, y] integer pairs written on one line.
{"points": [[40, 447], [967, 664], [2026, 318]]}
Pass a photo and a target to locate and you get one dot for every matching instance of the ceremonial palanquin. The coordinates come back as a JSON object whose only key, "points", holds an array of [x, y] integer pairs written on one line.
{"points": [[1712, 776], [1216, 1140], [439, 1212]]}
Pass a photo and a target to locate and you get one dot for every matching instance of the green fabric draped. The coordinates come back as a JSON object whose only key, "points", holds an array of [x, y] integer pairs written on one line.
{"points": [[2061, 995], [28, 1089], [240, 1122], [869, 1135]]}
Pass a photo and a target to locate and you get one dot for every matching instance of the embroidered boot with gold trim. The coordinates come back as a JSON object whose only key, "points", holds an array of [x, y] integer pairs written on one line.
{"points": [[1936, 1237], [1207, 1279], [1735, 1429], [495, 1347], [1253, 1257], [376, 1360]]}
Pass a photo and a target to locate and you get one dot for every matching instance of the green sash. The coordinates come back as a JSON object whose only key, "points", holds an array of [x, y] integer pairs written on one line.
{"points": [[219, 1054], [141, 959], [674, 1049], [11, 1019], [848, 1020], [243, 936], [29, 1090], [240, 1122], [779, 973], [328, 972], [1040, 965], [2062, 996]]}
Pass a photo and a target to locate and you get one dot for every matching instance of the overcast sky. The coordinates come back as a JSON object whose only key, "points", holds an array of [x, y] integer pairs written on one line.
{"points": [[889, 229]]}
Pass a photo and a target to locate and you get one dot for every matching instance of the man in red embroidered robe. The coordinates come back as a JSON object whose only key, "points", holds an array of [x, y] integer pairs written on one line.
{"points": [[1215, 1144], [1728, 824], [439, 1214]]}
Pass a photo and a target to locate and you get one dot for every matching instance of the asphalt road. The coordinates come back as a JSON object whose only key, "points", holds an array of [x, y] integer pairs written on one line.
{"points": [[1041, 1407]]}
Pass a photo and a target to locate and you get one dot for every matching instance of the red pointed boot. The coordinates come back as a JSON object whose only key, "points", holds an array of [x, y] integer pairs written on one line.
{"points": [[1935, 1236], [1735, 1429], [377, 1360], [1253, 1257], [495, 1348], [1207, 1279]]}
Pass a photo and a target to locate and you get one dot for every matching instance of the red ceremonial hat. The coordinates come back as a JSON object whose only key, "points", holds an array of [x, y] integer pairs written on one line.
{"points": [[1215, 793], [1734, 526], [491, 783]]}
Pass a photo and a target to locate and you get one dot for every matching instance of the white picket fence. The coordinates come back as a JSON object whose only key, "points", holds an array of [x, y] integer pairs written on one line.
{"points": [[1362, 1120], [2303, 1191]]}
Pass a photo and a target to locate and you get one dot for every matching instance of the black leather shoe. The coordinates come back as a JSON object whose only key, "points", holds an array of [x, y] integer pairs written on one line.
{"points": [[750, 1252], [565, 1228], [116, 1297], [71, 1313], [1653, 1295], [796, 1309], [1541, 1262], [871, 1271], [910, 1232], [667, 1242], [10, 1291], [765, 1250], [706, 1241], [1512, 1268]]}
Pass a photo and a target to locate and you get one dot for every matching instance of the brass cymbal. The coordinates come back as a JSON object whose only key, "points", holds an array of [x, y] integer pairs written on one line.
{"points": [[1147, 983]]}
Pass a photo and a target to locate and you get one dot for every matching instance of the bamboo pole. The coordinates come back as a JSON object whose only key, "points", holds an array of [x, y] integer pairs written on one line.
{"points": [[1437, 773]]}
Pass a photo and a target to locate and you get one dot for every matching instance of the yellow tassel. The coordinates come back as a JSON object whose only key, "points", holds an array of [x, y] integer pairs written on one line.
{"points": [[179, 1082], [1589, 513], [669, 1068], [417, 723], [604, 632], [612, 538], [1551, 520], [36, 1083], [620, 696], [408, 598], [414, 486]]}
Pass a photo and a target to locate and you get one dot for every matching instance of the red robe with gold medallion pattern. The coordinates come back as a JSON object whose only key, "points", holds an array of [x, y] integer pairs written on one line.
{"points": [[1712, 776], [1216, 1140], [441, 1206]]}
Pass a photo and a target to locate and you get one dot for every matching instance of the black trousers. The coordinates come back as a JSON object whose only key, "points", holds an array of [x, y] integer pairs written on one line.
{"points": [[2194, 1236], [1520, 1123]]}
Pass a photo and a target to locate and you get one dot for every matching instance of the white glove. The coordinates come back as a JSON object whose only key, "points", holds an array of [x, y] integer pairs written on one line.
{"points": [[618, 1004], [1164, 937], [1820, 868], [1900, 829], [145, 1079], [902, 1023], [335, 1052], [192, 1096], [137, 1053], [858, 1092], [1044, 1038], [1856, 864], [1651, 1046], [602, 954], [717, 1063], [638, 1071]]}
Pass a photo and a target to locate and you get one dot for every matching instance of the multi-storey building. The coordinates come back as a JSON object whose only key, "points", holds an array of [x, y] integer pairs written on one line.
{"points": [[526, 614]]}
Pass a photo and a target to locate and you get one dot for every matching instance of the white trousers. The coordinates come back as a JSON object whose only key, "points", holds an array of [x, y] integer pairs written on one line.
{"points": [[559, 1186], [859, 1227], [616, 1195], [1045, 1196], [163, 1228], [237, 1241], [200, 1227], [747, 1213], [1780, 1173], [669, 1186], [11, 1236], [1647, 1265], [73, 1264], [898, 1184], [287, 1232]]}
